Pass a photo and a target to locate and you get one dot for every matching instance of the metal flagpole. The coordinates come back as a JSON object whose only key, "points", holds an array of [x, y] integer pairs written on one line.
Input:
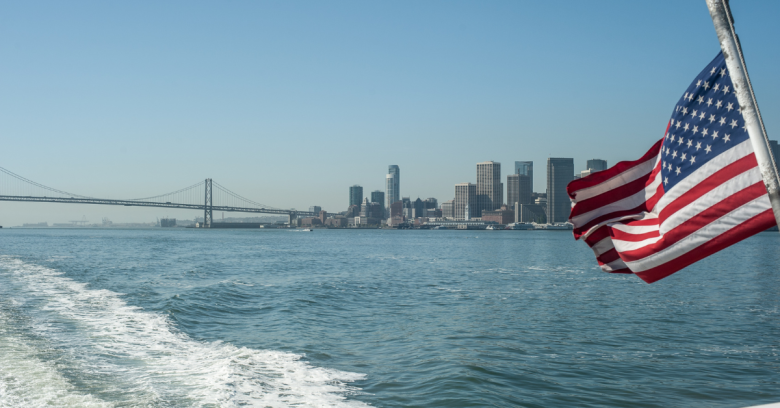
{"points": [[732, 52]]}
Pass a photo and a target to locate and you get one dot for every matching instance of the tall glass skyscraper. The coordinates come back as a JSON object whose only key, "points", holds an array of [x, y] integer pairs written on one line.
{"points": [[355, 195], [393, 185], [526, 168], [560, 171]]}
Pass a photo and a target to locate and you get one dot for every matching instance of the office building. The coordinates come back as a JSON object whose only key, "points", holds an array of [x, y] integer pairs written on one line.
{"points": [[315, 209], [595, 165], [526, 168], [530, 213], [518, 190], [490, 190], [774, 148], [448, 209], [431, 202], [512, 189], [560, 172], [393, 184], [465, 201], [355, 195], [379, 197]]}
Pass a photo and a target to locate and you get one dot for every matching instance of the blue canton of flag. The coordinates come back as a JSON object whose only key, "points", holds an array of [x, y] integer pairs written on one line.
{"points": [[706, 122]]}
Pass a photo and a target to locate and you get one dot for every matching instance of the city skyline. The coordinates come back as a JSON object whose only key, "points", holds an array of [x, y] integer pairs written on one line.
{"points": [[94, 105]]}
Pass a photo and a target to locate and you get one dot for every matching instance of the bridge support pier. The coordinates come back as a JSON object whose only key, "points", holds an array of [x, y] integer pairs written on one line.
{"points": [[291, 216], [208, 205]]}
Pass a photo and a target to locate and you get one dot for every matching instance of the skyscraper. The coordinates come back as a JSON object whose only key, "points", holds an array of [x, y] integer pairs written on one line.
{"points": [[526, 168], [465, 199], [490, 190], [595, 165], [560, 171], [775, 149], [518, 190], [393, 184], [512, 190], [379, 197], [355, 195]]}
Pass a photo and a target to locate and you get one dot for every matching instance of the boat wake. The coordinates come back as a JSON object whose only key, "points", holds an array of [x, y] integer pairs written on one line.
{"points": [[63, 344]]}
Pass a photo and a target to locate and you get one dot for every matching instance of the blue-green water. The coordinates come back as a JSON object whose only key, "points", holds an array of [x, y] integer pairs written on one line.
{"points": [[373, 317]]}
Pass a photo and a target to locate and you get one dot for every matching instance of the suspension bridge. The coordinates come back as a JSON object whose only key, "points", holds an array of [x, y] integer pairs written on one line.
{"points": [[207, 196]]}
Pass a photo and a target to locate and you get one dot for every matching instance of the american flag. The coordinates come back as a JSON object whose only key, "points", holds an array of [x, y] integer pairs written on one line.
{"points": [[696, 191]]}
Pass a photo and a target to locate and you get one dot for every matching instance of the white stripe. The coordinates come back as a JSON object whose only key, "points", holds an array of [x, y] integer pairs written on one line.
{"points": [[713, 197], [620, 179], [623, 246], [635, 229], [614, 265], [711, 167], [602, 246], [627, 203], [711, 231]]}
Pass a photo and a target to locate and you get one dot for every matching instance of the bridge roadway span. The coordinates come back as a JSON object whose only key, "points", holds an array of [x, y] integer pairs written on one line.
{"points": [[130, 203]]}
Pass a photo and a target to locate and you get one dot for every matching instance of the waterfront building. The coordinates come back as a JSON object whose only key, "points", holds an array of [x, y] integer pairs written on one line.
{"points": [[526, 168], [393, 184], [465, 200], [448, 209], [431, 202], [323, 215], [530, 213], [315, 209], [397, 210], [379, 197], [490, 190], [501, 216], [560, 172], [355, 195]]}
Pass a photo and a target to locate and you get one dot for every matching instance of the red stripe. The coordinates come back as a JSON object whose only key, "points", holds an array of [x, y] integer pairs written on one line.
{"points": [[605, 175], [607, 257], [641, 223], [644, 207], [744, 230], [627, 236], [611, 196], [710, 183], [596, 236], [698, 221], [621, 270]]}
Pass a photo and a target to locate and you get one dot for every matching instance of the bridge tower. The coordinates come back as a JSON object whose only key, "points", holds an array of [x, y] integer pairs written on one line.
{"points": [[207, 205]]}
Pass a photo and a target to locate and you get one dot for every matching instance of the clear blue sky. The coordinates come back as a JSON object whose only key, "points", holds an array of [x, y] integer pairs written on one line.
{"points": [[290, 103]]}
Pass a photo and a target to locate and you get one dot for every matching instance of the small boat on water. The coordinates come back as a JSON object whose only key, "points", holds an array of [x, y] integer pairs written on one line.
{"points": [[307, 230], [520, 226], [558, 226]]}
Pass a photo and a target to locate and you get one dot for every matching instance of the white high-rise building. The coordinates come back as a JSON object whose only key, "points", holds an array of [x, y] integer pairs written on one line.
{"points": [[393, 185], [490, 189]]}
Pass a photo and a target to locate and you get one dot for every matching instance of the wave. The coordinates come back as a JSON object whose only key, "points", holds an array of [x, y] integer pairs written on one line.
{"points": [[114, 354]]}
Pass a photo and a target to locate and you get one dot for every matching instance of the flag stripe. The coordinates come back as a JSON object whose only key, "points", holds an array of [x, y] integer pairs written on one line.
{"points": [[743, 230], [693, 225]]}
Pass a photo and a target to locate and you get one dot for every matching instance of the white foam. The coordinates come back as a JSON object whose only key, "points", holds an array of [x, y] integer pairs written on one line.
{"points": [[27, 381], [142, 359]]}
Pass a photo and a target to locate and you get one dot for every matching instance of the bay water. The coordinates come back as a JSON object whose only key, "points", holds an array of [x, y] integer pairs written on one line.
{"points": [[354, 318]]}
